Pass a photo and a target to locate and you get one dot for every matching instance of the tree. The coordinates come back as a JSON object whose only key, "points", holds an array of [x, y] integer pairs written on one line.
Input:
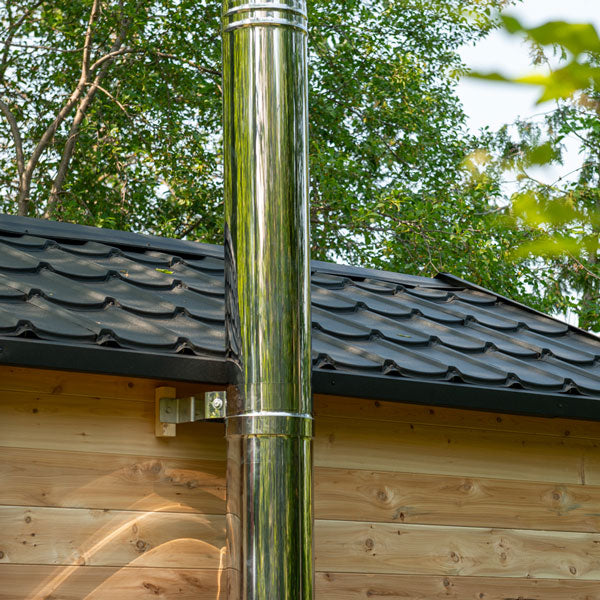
{"points": [[112, 118], [113, 109], [561, 218]]}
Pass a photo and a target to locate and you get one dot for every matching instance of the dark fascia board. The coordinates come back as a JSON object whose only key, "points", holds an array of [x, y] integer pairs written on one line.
{"points": [[456, 395], [128, 363], [82, 358]]}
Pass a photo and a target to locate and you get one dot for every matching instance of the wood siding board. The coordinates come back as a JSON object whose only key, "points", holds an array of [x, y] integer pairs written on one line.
{"points": [[67, 536], [590, 468], [343, 546], [40, 582], [104, 583], [33, 477], [356, 495], [104, 425], [408, 448], [348, 586], [378, 410], [68, 383]]}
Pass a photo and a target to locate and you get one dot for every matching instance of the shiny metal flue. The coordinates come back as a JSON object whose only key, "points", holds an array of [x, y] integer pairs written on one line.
{"points": [[269, 413]]}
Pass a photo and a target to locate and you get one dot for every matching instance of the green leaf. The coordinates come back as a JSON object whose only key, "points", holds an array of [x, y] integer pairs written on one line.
{"points": [[577, 38], [549, 247], [541, 155], [511, 24]]}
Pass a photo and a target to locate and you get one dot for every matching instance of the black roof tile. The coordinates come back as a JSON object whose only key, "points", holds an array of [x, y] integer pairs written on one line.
{"points": [[103, 291]]}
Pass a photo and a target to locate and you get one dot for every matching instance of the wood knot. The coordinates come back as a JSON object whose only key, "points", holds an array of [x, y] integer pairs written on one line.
{"points": [[446, 582], [503, 556], [156, 467], [573, 570], [454, 557], [151, 587], [556, 496], [369, 544], [141, 546], [398, 515], [35, 411], [1, 555], [27, 519], [382, 496]]}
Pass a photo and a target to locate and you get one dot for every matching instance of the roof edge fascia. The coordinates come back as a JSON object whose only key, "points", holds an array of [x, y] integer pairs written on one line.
{"points": [[208, 370]]}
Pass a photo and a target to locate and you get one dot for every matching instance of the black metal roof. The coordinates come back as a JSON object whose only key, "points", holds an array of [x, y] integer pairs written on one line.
{"points": [[80, 298]]}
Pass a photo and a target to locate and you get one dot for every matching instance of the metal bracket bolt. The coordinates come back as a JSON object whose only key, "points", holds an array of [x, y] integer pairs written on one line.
{"points": [[193, 408]]}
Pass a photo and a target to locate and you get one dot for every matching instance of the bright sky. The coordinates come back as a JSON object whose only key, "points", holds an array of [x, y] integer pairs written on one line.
{"points": [[495, 104]]}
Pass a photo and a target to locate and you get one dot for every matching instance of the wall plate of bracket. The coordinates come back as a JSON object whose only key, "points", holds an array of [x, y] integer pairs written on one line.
{"points": [[171, 411]]}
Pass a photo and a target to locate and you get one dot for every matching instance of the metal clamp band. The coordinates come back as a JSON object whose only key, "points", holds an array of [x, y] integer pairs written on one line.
{"points": [[265, 6], [270, 423], [264, 22]]}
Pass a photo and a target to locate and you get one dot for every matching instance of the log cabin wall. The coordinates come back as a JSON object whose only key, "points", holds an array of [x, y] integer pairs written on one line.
{"points": [[92, 505], [422, 503]]}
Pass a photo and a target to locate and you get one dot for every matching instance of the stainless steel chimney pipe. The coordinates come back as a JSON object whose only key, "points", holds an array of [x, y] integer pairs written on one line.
{"points": [[269, 415]]}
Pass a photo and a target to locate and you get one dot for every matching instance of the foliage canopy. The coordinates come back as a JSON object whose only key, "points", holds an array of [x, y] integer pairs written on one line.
{"points": [[113, 118], [561, 217]]}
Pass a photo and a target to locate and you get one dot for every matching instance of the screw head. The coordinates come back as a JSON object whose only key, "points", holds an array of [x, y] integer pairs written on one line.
{"points": [[217, 403]]}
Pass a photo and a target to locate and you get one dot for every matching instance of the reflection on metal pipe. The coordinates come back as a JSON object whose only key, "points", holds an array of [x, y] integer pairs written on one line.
{"points": [[269, 413]]}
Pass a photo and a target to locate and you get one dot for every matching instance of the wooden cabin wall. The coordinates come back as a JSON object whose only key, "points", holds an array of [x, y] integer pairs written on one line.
{"points": [[423, 503], [411, 502], [92, 505]]}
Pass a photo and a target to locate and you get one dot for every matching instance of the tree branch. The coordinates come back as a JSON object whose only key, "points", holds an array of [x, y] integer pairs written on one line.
{"points": [[18, 141], [11, 34], [186, 61], [24, 192], [84, 103]]}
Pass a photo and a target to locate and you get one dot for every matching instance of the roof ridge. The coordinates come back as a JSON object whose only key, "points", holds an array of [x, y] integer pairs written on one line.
{"points": [[64, 231], [60, 230], [453, 279]]}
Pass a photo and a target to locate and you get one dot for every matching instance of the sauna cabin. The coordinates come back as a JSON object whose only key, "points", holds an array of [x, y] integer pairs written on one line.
{"points": [[457, 434]]}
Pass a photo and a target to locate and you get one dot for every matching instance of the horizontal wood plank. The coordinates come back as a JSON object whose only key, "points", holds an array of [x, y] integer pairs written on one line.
{"points": [[38, 582], [66, 536], [404, 447], [386, 497], [379, 410], [343, 546], [591, 467], [44, 381], [109, 481], [104, 425], [349, 586]]}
